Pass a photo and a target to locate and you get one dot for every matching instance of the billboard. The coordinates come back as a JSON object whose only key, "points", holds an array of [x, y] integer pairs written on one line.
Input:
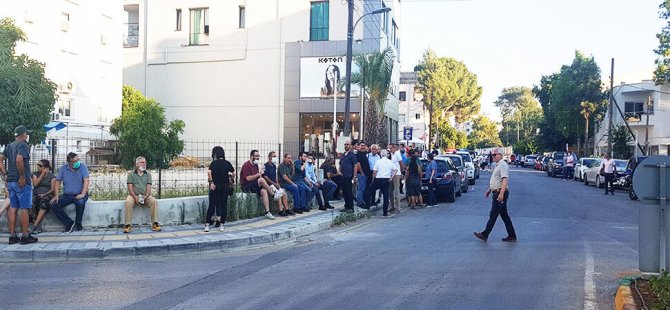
{"points": [[324, 77]]}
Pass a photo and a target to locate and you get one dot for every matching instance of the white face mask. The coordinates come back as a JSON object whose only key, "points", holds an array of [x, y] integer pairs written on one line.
{"points": [[255, 162], [142, 168], [275, 160], [27, 139]]}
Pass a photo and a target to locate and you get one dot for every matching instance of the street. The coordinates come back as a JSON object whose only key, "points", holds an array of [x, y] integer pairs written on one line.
{"points": [[573, 245]]}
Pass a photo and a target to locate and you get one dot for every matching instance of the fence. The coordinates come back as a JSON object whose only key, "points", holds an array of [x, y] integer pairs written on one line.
{"points": [[186, 175]]}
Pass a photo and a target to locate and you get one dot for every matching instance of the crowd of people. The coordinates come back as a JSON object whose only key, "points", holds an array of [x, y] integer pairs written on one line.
{"points": [[362, 173]]}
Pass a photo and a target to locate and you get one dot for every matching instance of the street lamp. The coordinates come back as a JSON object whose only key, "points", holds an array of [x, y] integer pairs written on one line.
{"points": [[350, 34]]}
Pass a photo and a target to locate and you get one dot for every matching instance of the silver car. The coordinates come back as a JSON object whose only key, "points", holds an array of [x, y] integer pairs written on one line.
{"points": [[458, 161]]}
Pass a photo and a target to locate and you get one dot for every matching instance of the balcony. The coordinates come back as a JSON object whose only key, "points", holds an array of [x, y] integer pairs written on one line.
{"points": [[132, 35]]}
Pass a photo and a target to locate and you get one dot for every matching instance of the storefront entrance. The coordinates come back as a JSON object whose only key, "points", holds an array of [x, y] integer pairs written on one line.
{"points": [[316, 131]]}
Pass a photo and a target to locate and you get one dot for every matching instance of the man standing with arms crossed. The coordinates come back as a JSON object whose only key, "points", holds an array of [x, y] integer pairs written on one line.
{"points": [[498, 186], [18, 184]]}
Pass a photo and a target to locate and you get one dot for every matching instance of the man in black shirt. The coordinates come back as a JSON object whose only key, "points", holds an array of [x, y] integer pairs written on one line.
{"points": [[330, 173], [363, 173], [348, 169]]}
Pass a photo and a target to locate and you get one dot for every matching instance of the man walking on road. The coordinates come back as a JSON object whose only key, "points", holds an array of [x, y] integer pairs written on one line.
{"points": [[498, 186], [19, 186]]}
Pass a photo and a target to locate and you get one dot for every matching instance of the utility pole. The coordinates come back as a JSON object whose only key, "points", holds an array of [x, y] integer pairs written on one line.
{"points": [[347, 95], [610, 110], [646, 128]]}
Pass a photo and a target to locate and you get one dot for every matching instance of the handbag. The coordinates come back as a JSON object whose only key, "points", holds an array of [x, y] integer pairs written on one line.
{"points": [[602, 171]]}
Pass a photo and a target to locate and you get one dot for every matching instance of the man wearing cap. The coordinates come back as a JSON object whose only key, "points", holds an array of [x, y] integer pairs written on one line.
{"points": [[17, 178], [498, 186]]}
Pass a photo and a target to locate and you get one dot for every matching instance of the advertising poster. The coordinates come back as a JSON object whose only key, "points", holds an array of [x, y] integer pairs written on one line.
{"points": [[323, 77]]}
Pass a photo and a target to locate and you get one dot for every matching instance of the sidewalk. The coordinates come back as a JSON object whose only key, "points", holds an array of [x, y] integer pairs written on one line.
{"points": [[142, 242]]}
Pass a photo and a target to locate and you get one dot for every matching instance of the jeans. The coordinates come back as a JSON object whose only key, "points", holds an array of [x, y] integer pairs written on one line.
{"points": [[328, 189], [347, 192], [308, 194], [499, 208], [20, 197], [383, 186], [360, 193], [65, 200], [432, 201], [568, 172], [295, 192], [218, 203]]}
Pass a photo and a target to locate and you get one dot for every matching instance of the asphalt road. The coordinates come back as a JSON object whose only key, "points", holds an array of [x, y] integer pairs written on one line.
{"points": [[574, 243]]}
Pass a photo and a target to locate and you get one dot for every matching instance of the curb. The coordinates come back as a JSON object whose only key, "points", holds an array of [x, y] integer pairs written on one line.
{"points": [[623, 299], [128, 250]]}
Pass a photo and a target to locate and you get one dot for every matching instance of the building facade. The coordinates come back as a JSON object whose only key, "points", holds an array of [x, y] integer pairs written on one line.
{"points": [[637, 101], [77, 42], [256, 69], [411, 110]]}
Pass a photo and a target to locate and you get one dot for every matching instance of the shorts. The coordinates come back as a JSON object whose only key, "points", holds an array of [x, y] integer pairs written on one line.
{"points": [[252, 187], [413, 189], [43, 203], [20, 197]]}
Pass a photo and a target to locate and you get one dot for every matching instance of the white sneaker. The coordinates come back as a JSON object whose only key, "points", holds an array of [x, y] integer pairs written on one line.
{"points": [[269, 216], [274, 189], [206, 228], [221, 228]]}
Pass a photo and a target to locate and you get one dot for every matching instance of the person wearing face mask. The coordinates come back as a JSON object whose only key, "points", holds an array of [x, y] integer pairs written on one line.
{"points": [[75, 179], [251, 181], [139, 194], [220, 177], [285, 172], [270, 177], [42, 193], [300, 178], [332, 177]]}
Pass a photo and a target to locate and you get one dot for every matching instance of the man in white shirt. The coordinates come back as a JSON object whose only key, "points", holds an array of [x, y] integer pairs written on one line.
{"points": [[569, 166], [398, 166], [609, 167], [382, 172], [373, 157]]}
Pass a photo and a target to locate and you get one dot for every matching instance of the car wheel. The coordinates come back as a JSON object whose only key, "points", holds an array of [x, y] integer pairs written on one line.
{"points": [[452, 197], [598, 185], [632, 195], [586, 182]]}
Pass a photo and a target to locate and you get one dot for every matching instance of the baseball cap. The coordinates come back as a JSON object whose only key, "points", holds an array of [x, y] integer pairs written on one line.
{"points": [[19, 130]]}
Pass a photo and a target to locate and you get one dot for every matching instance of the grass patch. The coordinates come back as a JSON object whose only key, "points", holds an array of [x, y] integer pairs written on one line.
{"points": [[348, 217]]}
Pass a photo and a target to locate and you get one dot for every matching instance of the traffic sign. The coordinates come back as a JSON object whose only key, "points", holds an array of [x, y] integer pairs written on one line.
{"points": [[407, 133]]}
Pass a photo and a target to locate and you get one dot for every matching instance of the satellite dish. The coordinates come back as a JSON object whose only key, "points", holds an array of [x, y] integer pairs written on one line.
{"points": [[646, 179]]}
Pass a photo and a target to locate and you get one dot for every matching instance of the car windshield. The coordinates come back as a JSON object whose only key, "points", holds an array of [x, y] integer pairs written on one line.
{"points": [[558, 156], [442, 165], [530, 157], [620, 164], [466, 158], [546, 159], [456, 160]]}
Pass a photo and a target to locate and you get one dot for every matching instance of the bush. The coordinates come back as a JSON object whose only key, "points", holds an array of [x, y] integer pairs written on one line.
{"points": [[660, 286]]}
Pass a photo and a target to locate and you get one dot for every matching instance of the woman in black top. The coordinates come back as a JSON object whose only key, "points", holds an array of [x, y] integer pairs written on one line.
{"points": [[42, 193], [220, 185], [414, 180]]}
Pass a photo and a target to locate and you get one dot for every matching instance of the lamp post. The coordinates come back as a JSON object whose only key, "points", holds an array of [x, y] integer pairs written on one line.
{"points": [[350, 34]]}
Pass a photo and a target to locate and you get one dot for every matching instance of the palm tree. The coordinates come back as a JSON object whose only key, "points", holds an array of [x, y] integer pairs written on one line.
{"points": [[374, 79], [587, 109]]}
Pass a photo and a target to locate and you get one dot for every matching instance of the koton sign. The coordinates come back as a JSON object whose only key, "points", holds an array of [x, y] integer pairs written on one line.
{"points": [[324, 77]]}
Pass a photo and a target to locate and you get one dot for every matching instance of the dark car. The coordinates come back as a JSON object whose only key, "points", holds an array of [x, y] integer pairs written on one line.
{"points": [[448, 180], [555, 165], [459, 163], [545, 163]]}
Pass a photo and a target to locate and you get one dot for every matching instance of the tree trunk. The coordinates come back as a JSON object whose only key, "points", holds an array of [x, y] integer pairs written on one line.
{"points": [[586, 136]]}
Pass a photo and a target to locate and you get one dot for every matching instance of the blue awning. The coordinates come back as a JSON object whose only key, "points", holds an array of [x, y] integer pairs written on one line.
{"points": [[54, 125]]}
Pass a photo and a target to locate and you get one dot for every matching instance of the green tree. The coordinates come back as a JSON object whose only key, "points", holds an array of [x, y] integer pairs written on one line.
{"points": [[144, 131], [620, 138], [484, 133], [549, 138], [662, 72], [449, 88], [374, 78], [528, 146], [26, 96], [450, 137], [521, 112]]}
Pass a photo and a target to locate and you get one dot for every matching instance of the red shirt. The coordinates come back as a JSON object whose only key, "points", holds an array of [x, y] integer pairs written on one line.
{"points": [[247, 169]]}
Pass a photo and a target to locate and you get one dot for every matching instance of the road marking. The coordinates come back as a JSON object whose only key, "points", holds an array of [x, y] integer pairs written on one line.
{"points": [[589, 282]]}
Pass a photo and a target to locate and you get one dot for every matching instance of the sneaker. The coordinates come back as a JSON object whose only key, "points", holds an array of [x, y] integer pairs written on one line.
{"points": [[269, 216], [329, 206], [127, 229], [155, 227], [323, 208], [221, 228], [274, 189], [282, 214], [480, 236], [13, 239], [206, 228], [509, 239], [36, 230], [69, 228], [297, 211], [289, 212], [305, 210], [28, 239], [78, 227]]}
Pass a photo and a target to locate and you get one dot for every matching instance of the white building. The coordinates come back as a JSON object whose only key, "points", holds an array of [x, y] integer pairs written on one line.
{"points": [[632, 100], [78, 41], [252, 70], [411, 110]]}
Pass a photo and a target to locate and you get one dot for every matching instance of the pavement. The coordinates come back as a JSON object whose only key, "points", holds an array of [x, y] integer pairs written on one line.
{"points": [[114, 244]]}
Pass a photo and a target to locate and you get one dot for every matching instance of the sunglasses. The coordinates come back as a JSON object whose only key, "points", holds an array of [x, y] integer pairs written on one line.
{"points": [[38, 165]]}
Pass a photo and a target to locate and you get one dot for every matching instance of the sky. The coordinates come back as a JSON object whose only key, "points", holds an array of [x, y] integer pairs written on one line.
{"points": [[514, 42]]}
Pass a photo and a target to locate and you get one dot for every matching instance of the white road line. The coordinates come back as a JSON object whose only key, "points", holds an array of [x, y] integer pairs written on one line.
{"points": [[589, 282]]}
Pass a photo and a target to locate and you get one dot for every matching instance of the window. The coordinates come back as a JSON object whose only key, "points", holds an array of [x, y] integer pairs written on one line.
{"points": [[65, 107], [178, 21], [65, 22], [634, 110], [402, 96], [242, 17], [394, 34], [78, 145], [318, 27], [417, 115], [385, 19], [199, 34]]}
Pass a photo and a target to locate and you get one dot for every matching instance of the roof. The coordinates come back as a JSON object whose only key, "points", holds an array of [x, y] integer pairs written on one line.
{"points": [[409, 78]]}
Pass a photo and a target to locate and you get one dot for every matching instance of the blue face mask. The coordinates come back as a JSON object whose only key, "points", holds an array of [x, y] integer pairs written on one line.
{"points": [[76, 165]]}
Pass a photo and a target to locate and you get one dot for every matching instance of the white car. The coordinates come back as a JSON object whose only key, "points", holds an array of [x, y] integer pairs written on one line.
{"points": [[528, 161], [581, 166], [592, 173], [469, 166]]}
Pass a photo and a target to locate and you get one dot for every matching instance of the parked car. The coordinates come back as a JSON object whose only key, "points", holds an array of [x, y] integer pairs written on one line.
{"points": [[448, 180], [545, 163], [458, 162], [592, 174], [581, 166], [626, 181], [528, 161], [538, 163], [469, 167], [555, 165]]}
